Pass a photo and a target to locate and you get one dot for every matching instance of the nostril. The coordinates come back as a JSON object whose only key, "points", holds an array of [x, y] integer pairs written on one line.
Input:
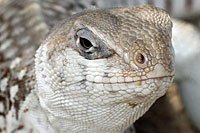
{"points": [[140, 58]]}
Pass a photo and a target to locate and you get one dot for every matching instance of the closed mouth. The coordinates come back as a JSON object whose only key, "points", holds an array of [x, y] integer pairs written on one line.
{"points": [[133, 81], [139, 80]]}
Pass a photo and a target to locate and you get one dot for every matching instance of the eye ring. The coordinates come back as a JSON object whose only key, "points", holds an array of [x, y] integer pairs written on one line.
{"points": [[140, 59]]}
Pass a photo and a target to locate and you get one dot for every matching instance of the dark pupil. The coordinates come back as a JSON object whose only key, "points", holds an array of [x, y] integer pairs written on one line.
{"points": [[140, 58], [85, 43]]}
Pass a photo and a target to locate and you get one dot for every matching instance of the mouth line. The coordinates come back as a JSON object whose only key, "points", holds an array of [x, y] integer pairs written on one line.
{"points": [[170, 76], [156, 78]]}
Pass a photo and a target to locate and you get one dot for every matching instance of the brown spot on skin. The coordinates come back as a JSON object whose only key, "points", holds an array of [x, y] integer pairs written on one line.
{"points": [[26, 110], [20, 127], [132, 105], [113, 92], [139, 83], [126, 75]]}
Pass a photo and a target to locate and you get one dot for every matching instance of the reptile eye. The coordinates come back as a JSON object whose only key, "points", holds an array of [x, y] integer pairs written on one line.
{"points": [[140, 58], [85, 43], [90, 45]]}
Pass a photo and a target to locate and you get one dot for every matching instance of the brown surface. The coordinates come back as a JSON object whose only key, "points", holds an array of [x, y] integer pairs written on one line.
{"points": [[166, 116]]}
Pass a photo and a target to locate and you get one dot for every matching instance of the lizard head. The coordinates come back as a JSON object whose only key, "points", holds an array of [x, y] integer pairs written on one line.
{"points": [[106, 67]]}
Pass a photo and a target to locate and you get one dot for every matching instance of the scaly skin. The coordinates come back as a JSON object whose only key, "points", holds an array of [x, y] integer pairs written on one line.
{"points": [[98, 71]]}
